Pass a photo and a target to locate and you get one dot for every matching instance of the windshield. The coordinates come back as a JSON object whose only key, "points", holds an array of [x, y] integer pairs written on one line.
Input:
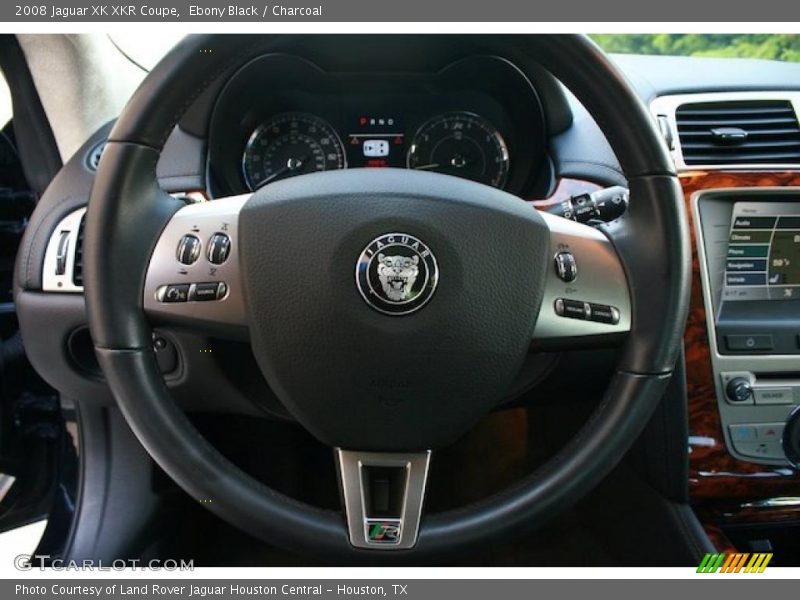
{"points": [[784, 47], [144, 51], [147, 51]]}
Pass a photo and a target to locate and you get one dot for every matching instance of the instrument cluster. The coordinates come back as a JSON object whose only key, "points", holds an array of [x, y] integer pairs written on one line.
{"points": [[281, 116]]}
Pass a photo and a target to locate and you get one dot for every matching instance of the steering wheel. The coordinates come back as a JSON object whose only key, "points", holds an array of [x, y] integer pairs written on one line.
{"points": [[333, 276]]}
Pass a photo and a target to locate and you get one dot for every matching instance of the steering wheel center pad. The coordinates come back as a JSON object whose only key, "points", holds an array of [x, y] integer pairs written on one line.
{"points": [[359, 378]]}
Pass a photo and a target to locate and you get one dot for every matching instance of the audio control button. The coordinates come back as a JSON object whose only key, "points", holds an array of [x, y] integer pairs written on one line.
{"points": [[572, 309], [774, 395], [739, 391], [219, 246], [188, 249], [204, 292]]}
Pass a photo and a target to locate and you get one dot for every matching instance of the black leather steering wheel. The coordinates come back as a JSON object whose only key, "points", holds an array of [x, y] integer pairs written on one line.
{"points": [[453, 281]]}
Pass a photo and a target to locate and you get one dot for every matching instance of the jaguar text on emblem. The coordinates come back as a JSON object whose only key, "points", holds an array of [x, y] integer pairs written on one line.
{"points": [[396, 274]]}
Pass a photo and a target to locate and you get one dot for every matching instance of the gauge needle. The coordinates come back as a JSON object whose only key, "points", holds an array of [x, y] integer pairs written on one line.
{"points": [[424, 167], [293, 164]]}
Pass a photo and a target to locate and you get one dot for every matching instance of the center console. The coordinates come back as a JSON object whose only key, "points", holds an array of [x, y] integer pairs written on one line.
{"points": [[749, 253]]}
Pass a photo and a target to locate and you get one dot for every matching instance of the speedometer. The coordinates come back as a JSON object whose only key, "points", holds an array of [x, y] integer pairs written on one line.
{"points": [[290, 144], [461, 144]]}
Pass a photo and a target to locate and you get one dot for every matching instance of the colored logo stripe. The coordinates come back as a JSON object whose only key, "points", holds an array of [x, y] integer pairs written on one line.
{"points": [[734, 563], [376, 532]]}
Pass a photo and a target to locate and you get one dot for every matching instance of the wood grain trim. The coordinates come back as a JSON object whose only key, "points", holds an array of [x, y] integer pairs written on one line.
{"points": [[713, 472], [719, 484]]}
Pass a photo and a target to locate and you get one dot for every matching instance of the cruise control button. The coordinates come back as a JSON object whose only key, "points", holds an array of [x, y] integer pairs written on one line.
{"points": [[204, 292], [188, 249], [176, 293], [604, 314], [572, 309], [219, 246], [566, 267]]}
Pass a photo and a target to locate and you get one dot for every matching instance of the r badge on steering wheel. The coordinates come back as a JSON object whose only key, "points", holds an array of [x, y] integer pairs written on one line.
{"points": [[396, 274]]}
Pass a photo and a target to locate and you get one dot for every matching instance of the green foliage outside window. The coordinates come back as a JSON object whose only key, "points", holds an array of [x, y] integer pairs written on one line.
{"points": [[783, 46]]}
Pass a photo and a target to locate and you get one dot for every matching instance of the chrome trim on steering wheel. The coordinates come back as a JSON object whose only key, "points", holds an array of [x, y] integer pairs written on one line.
{"points": [[600, 281], [395, 531], [202, 292]]}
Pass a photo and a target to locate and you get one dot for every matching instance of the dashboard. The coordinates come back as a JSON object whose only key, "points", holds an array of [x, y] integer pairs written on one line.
{"points": [[278, 116]]}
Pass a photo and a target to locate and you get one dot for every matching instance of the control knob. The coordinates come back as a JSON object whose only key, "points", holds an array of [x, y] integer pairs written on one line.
{"points": [[739, 390]]}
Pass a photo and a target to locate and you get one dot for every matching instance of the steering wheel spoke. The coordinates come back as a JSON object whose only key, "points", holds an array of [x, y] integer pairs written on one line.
{"points": [[586, 299], [194, 277], [383, 494]]}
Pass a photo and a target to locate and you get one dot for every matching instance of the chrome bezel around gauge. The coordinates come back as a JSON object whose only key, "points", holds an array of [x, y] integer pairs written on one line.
{"points": [[330, 132], [500, 179]]}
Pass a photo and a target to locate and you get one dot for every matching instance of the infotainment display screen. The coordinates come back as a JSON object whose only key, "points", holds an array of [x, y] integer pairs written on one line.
{"points": [[763, 257]]}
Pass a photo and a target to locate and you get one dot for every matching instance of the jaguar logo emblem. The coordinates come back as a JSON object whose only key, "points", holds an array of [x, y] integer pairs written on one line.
{"points": [[396, 274]]}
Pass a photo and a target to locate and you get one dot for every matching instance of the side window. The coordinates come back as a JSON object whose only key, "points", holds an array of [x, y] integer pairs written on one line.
{"points": [[5, 102], [16, 199], [29, 409]]}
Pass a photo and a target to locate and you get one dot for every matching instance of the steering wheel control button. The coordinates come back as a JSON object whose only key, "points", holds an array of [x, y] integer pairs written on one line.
{"points": [[586, 311], [174, 293], [188, 249], [396, 274], [604, 314], [572, 309], [192, 292], [739, 391], [219, 247], [204, 292], [566, 267]]}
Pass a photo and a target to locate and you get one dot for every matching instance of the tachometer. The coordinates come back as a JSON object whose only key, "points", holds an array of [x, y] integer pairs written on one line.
{"points": [[290, 144], [461, 144]]}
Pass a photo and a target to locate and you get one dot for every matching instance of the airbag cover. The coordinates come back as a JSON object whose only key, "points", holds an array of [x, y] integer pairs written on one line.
{"points": [[366, 379]]}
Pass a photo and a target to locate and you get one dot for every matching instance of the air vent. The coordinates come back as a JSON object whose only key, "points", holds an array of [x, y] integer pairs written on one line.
{"points": [[77, 267], [738, 132], [62, 269], [93, 158]]}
